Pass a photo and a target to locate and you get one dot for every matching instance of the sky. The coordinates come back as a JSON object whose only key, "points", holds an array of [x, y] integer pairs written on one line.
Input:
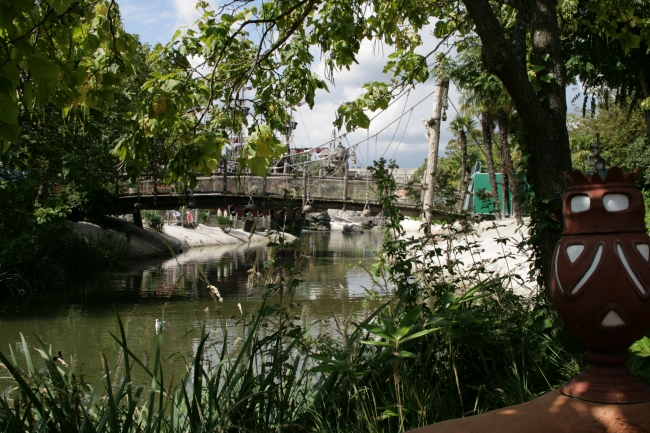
{"points": [[156, 21]]}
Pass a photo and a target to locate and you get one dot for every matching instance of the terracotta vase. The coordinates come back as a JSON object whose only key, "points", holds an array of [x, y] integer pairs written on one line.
{"points": [[601, 277]]}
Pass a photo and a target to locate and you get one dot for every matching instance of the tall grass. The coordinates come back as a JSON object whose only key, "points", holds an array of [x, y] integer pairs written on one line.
{"points": [[73, 257], [93, 253], [280, 378]]}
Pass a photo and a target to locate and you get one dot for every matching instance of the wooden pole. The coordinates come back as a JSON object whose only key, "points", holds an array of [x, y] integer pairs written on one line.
{"points": [[433, 135]]}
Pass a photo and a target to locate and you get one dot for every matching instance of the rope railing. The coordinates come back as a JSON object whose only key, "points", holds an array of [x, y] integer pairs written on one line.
{"points": [[283, 185]]}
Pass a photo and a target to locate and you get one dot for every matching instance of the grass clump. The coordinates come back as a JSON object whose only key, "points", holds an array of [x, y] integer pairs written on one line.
{"points": [[153, 219]]}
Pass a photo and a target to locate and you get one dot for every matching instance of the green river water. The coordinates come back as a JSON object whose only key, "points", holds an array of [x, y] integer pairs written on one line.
{"points": [[78, 321]]}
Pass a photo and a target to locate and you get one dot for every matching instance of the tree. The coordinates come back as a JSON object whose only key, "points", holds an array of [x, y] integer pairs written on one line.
{"points": [[508, 174], [482, 96], [618, 143], [271, 47], [65, 52], [608, 52], [459, 125], [60, 64]]}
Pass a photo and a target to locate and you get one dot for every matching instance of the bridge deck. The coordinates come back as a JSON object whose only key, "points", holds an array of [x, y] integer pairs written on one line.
{"points": [[268, 193]]}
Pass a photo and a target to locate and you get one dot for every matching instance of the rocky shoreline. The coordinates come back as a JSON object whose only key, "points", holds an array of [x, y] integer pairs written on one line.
{"points": [[146, 243]]}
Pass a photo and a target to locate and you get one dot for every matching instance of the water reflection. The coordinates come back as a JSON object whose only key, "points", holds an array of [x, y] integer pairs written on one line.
{"points": [[77, 321]]}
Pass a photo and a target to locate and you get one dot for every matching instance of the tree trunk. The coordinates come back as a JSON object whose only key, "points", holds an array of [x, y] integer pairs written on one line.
{"points": [[543, 113], [487, 125], [506, 162], [464, 171]]}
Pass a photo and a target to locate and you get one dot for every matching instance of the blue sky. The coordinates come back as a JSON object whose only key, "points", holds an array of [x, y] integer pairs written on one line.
{"points": [[155, 21]]}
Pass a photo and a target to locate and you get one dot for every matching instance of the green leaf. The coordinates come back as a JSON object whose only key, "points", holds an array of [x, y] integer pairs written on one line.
{"points": [[28, 95], [376, 343], [259, 166], [11, 72], [378, 331], [60, 6], [386, 414], [419, 334], [408, 321], [45, 73], [8, 109], [546, 78], [641, 347], [9, 133], [389, 323], [170, 85], [406, 354]]}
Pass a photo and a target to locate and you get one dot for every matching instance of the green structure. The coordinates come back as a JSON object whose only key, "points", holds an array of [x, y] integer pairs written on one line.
{"points": [[479, 193]]}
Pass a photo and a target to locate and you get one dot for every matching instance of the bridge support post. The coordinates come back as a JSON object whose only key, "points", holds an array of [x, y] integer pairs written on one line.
{"points": [[345, 184], [304, 186], [320, 182], [137, 217], [225, 174]]}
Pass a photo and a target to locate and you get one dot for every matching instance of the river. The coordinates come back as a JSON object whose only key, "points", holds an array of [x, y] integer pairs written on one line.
{"points": [[78, 321]]}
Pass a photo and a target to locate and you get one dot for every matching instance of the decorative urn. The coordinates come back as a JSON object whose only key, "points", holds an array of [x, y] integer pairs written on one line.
{"points": [[600, 285]]}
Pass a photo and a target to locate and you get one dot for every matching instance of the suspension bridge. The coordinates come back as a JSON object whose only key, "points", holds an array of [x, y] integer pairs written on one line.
{"points": [[272, 192]]}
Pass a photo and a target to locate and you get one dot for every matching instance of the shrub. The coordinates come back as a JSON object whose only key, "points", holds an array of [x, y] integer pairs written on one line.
{"points": [[204, 217], [153, 219]]}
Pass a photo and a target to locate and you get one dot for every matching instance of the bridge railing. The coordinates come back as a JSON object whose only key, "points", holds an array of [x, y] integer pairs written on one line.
{"points": [[289, 186]]}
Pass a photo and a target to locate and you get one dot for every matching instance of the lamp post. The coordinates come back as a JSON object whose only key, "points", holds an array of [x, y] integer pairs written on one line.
{"points": [[594, 159]]}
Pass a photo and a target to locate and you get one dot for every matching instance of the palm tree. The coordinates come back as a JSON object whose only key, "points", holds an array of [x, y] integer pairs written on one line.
{"points": [[484, 96], [459, 125], [508, 176], [479, 94]]}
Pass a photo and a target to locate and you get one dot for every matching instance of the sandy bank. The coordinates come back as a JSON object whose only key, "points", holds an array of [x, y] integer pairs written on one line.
{"points": [[499, 245]]}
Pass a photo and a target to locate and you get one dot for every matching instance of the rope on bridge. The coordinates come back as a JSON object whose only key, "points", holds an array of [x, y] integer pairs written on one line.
{"points": [[375, 135]]}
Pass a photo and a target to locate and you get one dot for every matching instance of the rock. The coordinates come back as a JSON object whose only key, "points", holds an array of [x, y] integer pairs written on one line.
{"points": [[318, 222], [351, 229], [368, 224]]}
